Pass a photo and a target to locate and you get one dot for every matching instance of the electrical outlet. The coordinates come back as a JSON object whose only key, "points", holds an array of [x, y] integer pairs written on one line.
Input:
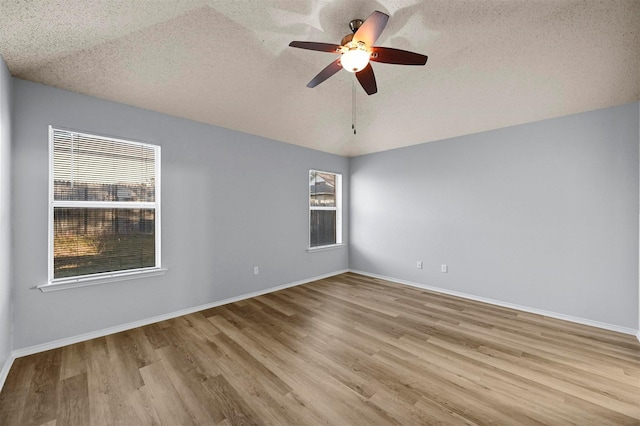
{"points": [[419, 264], [443, 268], [256, 271]]}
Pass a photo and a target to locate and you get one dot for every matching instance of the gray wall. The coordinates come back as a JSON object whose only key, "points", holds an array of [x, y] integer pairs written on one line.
{"points": [[543, 215], [229, 201], [5, 213]]}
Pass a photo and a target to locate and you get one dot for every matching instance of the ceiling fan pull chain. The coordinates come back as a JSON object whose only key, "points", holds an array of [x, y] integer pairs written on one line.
{"points": [[353, 106]]}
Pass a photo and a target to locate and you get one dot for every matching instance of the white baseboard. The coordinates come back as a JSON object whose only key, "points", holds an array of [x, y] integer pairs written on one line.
{"points": [[556, 315], [17, 353], [5, 369]]}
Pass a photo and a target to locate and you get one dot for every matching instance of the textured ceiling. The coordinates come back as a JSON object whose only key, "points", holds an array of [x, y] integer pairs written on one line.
{"points": [[491, 63]]}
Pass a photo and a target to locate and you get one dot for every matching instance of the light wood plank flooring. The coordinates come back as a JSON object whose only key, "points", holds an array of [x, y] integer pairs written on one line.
{"points": [[348, 350]]}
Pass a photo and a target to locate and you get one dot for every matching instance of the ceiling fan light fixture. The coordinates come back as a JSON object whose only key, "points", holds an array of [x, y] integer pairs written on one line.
{"points": [[354, 59]]}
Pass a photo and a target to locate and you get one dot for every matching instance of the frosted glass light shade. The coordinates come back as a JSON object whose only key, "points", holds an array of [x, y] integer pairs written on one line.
{"points": [[354, 60]]}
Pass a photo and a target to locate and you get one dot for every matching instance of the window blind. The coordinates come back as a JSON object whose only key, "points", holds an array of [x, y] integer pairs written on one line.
{"points": [[89, 168]]}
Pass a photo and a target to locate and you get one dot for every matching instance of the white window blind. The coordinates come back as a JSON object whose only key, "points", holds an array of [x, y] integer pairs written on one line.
{"points": [[105, 205]]}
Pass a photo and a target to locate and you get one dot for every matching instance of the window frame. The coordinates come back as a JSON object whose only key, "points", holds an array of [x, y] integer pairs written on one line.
{"points": [[112, 276], [338, 209]]}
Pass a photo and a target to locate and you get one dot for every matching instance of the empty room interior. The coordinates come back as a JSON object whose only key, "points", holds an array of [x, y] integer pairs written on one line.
{"points": [[221, 212]]}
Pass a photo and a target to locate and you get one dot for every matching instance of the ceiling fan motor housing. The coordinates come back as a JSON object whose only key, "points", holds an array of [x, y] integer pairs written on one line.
{"points": [[346, 39]]}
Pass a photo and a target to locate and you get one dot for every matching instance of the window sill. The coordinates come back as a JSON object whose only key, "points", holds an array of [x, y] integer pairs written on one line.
{"points": [[69, 283], [323, 248]]}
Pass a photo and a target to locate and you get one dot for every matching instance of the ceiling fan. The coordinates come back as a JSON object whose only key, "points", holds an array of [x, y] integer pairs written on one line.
{"points": [[357, 49]]}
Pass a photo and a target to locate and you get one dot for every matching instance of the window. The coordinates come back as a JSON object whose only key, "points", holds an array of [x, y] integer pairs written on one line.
{"points": [[325, 208], [104, 216]]}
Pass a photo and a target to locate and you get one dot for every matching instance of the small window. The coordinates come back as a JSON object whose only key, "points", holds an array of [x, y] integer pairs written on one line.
{"points": [[325, 208], [104, 216]]}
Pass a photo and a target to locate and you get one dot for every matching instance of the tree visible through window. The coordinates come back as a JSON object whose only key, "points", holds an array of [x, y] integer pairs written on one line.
{"points": [[104, 205], [325, 213]]}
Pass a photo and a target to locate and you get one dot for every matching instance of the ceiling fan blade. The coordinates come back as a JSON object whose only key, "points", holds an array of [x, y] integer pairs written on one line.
{"points": [[371, 29], [321, 47], [330, 70], [367, 80], [388, 55]]}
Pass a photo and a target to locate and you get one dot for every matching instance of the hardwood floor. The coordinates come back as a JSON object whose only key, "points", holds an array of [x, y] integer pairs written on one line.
{"points": [[348, 350]]}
